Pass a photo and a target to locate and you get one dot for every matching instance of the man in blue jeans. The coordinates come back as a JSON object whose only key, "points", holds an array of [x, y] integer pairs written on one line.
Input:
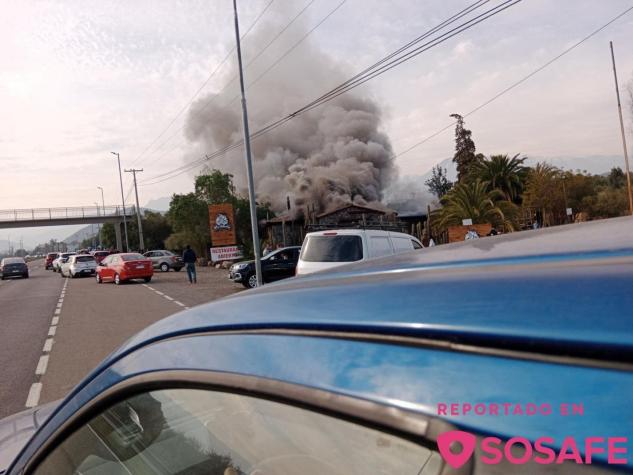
{"points": [[189, 258]]}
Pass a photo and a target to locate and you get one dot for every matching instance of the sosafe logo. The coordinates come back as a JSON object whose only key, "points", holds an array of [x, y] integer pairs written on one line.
{"points": [[494, 450], [457, 447]]}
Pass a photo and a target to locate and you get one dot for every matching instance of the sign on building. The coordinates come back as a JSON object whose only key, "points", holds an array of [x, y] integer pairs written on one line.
{"points": [[222, 224], [227, 253]]}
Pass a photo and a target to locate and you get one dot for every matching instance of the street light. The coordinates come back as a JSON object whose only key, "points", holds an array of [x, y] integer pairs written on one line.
{"points": [[127, 244], [98, 224], [104, 212]]}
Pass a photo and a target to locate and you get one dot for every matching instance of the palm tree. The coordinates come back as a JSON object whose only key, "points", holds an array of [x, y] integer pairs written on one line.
{"points": [[544, 192], [475, 201], [503, 173]]}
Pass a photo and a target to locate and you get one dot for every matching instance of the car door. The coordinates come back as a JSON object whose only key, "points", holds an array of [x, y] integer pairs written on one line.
{"points": [[106, 271]]}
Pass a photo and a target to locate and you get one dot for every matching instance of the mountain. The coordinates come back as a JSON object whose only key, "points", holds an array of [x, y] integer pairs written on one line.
{"points": [[159, 204], [84, 233]]}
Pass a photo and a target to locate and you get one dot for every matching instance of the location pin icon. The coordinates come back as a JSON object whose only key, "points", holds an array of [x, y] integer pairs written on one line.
{"points": [[448, 439]]}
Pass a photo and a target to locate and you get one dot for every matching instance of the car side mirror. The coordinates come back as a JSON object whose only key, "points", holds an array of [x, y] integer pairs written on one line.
{"points": [[103, 264]]}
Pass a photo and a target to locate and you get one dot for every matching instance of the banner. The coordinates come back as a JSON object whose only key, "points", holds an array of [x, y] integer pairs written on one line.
{"points": [[222, 224], [227, 253]]}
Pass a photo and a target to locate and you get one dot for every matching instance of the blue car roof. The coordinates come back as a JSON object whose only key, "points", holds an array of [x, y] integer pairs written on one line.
{"points": [[563, 289]]}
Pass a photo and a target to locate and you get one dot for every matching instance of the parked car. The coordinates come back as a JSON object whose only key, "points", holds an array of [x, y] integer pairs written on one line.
{"points": [[277, 265], [100, 255], [352, 371], [79, 265], [13, 267], [120, 268], [50, 257], [62, 258], [165, 260], [328, 249]]}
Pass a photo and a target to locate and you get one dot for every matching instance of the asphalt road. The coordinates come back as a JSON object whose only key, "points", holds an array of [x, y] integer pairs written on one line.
{"points": [[56, 330], [26, 310]]}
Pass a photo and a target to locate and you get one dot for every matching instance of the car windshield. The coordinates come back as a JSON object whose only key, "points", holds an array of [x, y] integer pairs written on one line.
{"points": [[84, 259], [340, 248], [101, 253], [133, 257], [13, 260]]}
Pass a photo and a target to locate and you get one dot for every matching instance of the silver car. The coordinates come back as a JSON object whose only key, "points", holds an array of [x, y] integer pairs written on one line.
{"points": [[165, 260], [61, 259], [79, 265]]}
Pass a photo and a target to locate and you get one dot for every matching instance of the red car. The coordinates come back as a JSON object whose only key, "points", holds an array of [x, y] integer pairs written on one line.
{"points": [[119, 268], [100, 255], [50, 257]]}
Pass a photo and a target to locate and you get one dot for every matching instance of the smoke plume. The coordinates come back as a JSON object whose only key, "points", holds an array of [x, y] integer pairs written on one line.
{"points": [[330, 156]]}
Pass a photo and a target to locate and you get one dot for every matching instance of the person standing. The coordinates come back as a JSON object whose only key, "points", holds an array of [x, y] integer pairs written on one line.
{"points": [[189, 258]]}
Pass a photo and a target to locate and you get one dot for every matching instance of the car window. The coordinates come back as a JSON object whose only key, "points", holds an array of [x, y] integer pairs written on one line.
{"points": [[416, 244], [193, 431], [84, 259], [379, 246], [340, 248], [132, 257], [12, 260], [401, 244]]}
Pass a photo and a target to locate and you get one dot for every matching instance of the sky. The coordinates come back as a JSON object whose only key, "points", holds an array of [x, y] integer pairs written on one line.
{"points": [[80, 79]]}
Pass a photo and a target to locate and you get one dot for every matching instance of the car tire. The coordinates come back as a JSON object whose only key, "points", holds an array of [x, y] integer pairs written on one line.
{"points": [[147, 280], [61, 274], [117, 279], [25, 276], [250, 282], [164, 267], [99, 280], [177, 269]]}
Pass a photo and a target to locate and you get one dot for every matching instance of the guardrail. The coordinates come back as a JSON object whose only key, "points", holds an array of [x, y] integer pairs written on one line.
{"points": [[50, 214]]}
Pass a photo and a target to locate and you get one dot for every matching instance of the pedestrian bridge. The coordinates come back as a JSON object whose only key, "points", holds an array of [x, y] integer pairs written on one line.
{"points": [[27, 218]]}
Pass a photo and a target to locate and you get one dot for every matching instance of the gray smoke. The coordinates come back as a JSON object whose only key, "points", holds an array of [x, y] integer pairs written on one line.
{"points": [[333, 155]]}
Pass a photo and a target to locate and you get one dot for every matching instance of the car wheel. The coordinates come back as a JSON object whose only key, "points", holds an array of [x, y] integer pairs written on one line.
{"points": [[147, 279], [61, 274], [26, 276], [98, 277], [251, 282], [117, 279], [164, 267], [177, 269]]}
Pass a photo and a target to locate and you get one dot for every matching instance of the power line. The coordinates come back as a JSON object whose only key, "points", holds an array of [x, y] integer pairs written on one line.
{"points": [[339, 90], [519, 82], [231, 81], [218, 67]]}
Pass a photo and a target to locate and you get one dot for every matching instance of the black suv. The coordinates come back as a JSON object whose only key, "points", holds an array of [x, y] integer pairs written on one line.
{"points": [[277, 265]]}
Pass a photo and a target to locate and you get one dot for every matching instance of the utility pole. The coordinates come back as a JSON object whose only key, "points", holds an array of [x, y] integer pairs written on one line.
{"points": [[127, 243], [626, 154], [141, 243], [247, 155]]}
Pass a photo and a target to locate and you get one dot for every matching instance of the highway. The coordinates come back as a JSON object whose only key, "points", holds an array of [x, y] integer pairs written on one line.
{"points": [[56, 330]]}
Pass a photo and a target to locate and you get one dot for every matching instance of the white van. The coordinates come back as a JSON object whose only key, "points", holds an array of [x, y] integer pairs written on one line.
{"points": [[326, 249]]}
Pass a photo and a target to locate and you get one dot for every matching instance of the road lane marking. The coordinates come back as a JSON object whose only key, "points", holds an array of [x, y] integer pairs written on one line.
{"points": [[59, 305], [58, 311], [33, 398], [42, 364], [159, 293], [48, 345], [179, 303], [51, 331], [168, 297], [55, 321]]}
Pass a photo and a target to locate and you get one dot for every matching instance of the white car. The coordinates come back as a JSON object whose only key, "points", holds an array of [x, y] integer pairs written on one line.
{"points": [[79, 265], [327, 249], [61, 259]]}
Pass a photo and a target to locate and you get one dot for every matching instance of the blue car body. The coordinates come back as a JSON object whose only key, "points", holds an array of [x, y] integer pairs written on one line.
{"points": [[539, 317]]}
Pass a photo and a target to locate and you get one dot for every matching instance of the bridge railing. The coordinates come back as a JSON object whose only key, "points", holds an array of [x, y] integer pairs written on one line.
{"points": [[73, 212]]}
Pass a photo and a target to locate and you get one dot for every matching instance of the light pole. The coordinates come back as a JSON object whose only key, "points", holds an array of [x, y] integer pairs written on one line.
{"points": [[104, 212], [127, 243], [98, 224], [247, 156]]}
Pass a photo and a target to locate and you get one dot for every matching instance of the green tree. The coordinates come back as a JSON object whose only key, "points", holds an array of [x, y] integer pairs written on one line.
{"points": [[188, 216], [544, 193], [502, 173], [156, 229], [617, 178], [438, 184], [215, 188], [473, 200], [465, 156]]}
